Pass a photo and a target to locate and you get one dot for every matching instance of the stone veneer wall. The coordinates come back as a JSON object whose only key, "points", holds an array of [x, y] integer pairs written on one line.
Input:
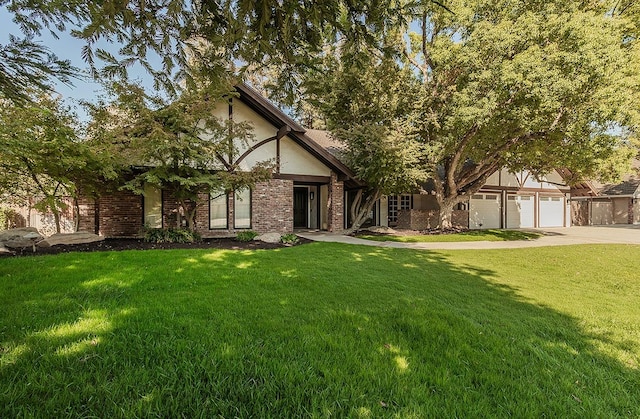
{"points": [[335, 203], [580, 213], [272, 206], [120, 214]]}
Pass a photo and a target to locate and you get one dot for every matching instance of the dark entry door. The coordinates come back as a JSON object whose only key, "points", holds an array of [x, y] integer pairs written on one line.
{"points": [[300, 207]]}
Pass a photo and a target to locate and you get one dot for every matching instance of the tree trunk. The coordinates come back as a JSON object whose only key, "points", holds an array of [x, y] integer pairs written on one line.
{"points": [[446, 213], [56, 217], [76, 214], [365, 208]]}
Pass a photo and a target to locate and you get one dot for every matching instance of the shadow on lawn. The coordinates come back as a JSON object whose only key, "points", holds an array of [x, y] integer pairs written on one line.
{"points": [[323, 329]]}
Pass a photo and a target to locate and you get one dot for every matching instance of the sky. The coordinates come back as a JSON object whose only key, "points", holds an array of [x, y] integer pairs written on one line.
{"points": [[67, 47]]}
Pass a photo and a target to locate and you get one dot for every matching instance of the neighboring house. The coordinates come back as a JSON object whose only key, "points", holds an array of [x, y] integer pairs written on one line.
{"points": [[307, 190], [605, 204]]}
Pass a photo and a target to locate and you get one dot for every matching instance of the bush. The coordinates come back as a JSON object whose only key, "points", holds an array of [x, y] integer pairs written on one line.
{"points": [[289, 239], [171, 235], [246, 236]]}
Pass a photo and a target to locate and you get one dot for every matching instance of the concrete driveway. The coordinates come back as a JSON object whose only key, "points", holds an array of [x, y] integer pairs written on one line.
{"points": [[619, 234]]}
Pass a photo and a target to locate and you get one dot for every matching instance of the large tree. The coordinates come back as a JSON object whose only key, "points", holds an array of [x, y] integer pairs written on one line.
{"points": [[518, 84], [181, 146]]}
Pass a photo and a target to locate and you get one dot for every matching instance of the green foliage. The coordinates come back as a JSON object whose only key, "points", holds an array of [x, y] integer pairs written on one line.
{"points": [[171, 235], [246, 236], [43, 156], [289, 239], [27, 66], [287, 34], [523, 85], [217, 333]]}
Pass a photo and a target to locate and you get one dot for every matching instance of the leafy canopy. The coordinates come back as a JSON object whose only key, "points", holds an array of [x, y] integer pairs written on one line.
{"points": [[516, 84]]}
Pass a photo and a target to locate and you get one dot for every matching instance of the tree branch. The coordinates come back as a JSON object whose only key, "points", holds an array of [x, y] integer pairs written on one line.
{"points": [[457, 156]]}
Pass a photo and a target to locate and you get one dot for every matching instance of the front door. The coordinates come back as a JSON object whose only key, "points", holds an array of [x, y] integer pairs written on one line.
{"points": [[300, 207]]}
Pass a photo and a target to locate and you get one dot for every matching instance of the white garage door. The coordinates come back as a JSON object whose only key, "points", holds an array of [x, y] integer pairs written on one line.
{"points": [[484, 211], [520, 211], [551, 211]]}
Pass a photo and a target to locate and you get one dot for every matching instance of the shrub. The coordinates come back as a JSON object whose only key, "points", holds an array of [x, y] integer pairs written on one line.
{"points": [[289, 239], [171, 235], [246, 236]]}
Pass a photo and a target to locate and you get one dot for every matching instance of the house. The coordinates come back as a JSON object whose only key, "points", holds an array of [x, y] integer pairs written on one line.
{"points": [[507, 200], [594, 203], [311, 188], [307, 189]]}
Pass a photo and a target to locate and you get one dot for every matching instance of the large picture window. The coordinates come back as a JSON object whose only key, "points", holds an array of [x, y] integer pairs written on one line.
{"points": [[218, 211], [152, 206], [242, 209]]}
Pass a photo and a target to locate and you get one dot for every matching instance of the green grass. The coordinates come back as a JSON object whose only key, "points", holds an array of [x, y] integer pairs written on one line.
{"points": [[322, 330], [467, 236]]}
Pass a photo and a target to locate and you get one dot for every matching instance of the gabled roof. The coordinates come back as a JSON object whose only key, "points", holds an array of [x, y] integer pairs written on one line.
{"points": [[280, 120]]}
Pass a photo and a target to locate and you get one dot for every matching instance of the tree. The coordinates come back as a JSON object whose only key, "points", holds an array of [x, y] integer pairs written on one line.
{"points": [[181, 146], [365, 108], [43, 157], [285, 33], [515, 84]]}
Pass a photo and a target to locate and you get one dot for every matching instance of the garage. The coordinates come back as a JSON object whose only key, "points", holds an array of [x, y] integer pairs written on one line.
{"points": [[551, 211], [520, 211], [484, 211]]}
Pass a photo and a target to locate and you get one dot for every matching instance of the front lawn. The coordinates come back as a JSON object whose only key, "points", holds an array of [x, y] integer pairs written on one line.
{"points": [[465, 236], [322, 330]]}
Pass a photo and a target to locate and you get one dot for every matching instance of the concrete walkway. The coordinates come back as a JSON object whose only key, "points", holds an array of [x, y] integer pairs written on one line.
{"points": [[620, 234]]}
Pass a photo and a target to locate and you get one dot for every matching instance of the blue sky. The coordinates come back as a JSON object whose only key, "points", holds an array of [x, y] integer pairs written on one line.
{"points": [[67, 47]]}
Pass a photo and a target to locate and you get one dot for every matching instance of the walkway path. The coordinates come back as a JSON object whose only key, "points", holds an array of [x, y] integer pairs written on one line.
{"points": [[622, 234]]}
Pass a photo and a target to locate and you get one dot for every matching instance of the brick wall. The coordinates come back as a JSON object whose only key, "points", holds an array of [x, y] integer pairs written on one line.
{"points": [[87, 219], [120, 214], [272, 206], [169, 210], [335, 204]]}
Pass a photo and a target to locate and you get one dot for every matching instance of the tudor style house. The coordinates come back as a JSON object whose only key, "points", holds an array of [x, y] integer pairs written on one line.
{"points": [[311, 189], [307, 189]]}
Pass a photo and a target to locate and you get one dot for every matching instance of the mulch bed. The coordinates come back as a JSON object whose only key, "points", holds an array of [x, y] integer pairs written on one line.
{"points": [[139, 244]]}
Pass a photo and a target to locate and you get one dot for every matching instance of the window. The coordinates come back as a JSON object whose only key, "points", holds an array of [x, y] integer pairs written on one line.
{"points": [[392, 201], [405, 202], [152, 206], [218, 210], [397, 203], [242, 209]]}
